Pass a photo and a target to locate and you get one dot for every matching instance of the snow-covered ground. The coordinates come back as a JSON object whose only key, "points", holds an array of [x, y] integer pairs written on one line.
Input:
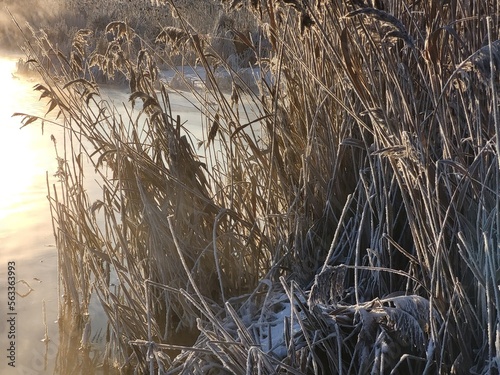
{"points": [[272, 323]]}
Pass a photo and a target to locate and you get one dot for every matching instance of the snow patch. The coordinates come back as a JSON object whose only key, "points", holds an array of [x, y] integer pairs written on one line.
{"points": [[269, 324]]}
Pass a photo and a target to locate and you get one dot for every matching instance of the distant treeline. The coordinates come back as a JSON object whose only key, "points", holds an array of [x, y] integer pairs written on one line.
{"points": [[61, 19], [40, 13]]}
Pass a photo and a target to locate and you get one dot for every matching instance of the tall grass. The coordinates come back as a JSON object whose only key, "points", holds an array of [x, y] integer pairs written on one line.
{"points": [[360, 210]]}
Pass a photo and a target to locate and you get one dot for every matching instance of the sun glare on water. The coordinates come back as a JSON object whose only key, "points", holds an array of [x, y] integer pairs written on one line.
{"points": [[19, 156]]}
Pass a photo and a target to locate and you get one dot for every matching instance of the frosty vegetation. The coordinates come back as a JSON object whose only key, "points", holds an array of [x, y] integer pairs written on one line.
{"points": [[340, 215]]}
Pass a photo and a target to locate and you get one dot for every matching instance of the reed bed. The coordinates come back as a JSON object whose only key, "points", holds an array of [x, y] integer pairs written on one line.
{"points": [[349, 225]]}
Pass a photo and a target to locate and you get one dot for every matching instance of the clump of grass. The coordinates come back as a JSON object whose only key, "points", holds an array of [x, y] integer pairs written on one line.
{"points": [[360, 198]]}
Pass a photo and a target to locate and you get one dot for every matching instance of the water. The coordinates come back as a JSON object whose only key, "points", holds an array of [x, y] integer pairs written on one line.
{"points": [[29, 333], [26, 236], [27, 244]]}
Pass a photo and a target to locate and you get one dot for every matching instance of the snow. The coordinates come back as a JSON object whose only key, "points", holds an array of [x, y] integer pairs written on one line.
{"points": [[268, 325]]}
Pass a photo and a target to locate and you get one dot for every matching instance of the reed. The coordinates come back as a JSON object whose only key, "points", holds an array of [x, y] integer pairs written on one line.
{"points": [[356, 207]]}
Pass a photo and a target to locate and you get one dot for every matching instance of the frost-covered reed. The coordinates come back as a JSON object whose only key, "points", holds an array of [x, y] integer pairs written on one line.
{"points": [[354, 214]]}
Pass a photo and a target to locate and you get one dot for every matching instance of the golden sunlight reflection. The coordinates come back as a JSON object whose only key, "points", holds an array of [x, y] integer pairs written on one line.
{"points": [[17, 161], [22, 164], [19, 157], [25, 224]]}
